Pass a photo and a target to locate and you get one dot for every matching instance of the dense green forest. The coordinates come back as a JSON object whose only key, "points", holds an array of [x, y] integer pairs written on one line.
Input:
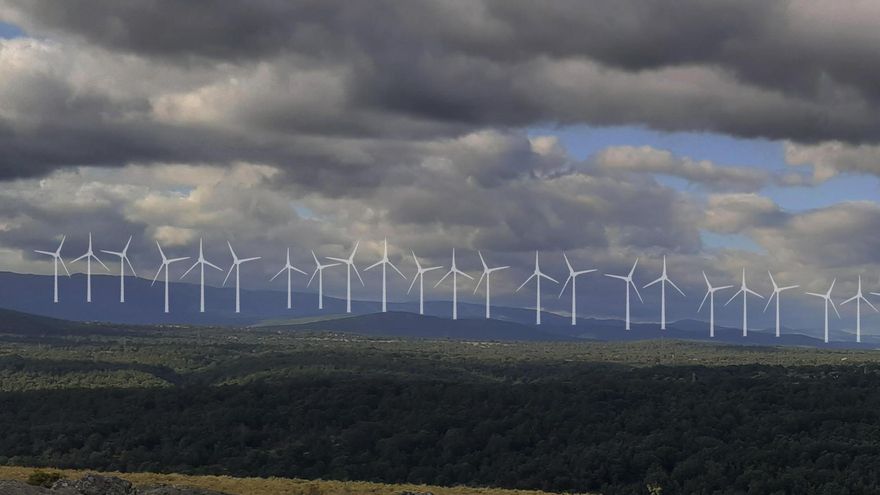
{"points": [[601, 417]]}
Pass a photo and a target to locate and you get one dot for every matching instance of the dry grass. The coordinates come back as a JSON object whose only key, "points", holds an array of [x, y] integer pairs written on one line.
{"points": [[270, 486]]}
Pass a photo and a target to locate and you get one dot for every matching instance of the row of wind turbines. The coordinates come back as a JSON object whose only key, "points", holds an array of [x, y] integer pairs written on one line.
{"points": [[454, 272]]}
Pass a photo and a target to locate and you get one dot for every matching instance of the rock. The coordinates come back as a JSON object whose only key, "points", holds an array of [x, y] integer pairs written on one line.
{"points": [[415, 493], [175, 490], [19, 488], [94, 484]]}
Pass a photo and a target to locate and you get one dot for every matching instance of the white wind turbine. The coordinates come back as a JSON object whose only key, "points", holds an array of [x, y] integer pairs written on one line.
{"points": [[319, 271], [201, 262], [827, 297], [628, 279], [56, 255], [385, 262], [537, 275], [123, 260], [776, 294], [236, 265], [858, 298], [663, 280], [487, 273], [349, 265], [164, 266], [710, 294], [572, 277], [89, 256], [420, 276], [455, 272], [288, 268], [745, 291]]}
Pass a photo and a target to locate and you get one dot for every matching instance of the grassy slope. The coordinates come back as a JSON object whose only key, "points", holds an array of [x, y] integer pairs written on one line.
{"points": [[270, 486]]}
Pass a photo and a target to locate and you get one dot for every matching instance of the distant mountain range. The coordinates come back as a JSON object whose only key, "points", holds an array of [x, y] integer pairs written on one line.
{"points": [[31, 294]]}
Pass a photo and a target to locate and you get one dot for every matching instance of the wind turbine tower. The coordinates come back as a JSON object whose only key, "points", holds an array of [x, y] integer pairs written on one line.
{"points": [[349, 265], [56, 258], [319, 271], [827, 297], [201, 262], [628, 279], [236, 265], [537, 275], [89, 256], [487, 273], [454, 271], [288, 268], [123, 260], [572, 277], [663, 280], [385, 262], [858, 298], [420, 276], [745, 291], [164, 266], [775, 295], [710, 294]]}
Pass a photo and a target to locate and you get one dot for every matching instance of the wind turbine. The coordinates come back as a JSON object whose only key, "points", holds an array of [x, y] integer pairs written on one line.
{"points": [[319, 271], [572, 277], [487, 273], [349, 262], [710, 294], [385, 262], [537, 275], [420, 276], [663, 280], [56, 255], [776, 292], [858, 298], [201, 262], [164, 265], [827, 297], [123, 259], [455, 272], [745, 291], [89, 256], [289, 268], [236, 265], [628, 279]]}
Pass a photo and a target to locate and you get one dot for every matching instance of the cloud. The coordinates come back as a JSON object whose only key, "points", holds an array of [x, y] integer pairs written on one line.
{"points": [[831, 158]]}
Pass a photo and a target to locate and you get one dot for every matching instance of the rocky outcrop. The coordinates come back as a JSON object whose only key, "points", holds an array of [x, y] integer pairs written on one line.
{"points": [[93, 484]]}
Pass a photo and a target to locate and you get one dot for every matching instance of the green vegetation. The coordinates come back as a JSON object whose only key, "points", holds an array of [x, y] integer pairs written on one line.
{"points": [[661, 417]]}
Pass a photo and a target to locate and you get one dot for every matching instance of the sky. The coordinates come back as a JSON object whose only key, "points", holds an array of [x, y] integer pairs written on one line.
{"points": [[724, 135]]}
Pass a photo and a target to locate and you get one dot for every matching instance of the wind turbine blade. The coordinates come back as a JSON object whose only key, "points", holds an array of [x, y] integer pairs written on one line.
{"points": [[483, 261], [228, 274], [128, 262], [298, 270], [337, 259], [869, 304], [80, 258], [175, 260], [707, 284], [480, 281], [60, 244], [64, 266], [815, 294], [723, 287], [769, 300], [527, 281], [633, 270], [675, 287], [833, 306], [750, 291], [157, 274], [397, 270], [232, 251], [354, 251], [47, 253], [245, 260], [315, 258], [548, 277], [309, 284], [125, 249], [463, 274], [584, 272], [212, 265], [619, 277], [114, 253], [788, 287], [374, 265], [733, 297], [654, 282], [853, 298], [567, 263], [355, 268], [101, 262], [772, 280], [161, 253], [703, 301], [277, 274], [442, 278], [565, 285], [431, 268], [416, 259], [635, 288], [416, 277], [190, 269]]}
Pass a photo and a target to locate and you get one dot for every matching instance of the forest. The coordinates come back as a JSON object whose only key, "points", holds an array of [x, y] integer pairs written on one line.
{"points": [[644, 417]]}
